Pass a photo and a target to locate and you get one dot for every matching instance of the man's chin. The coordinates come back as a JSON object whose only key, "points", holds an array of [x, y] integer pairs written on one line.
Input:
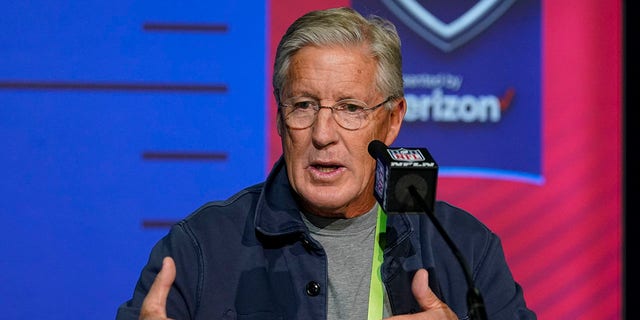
{"points": [[325, 206]]}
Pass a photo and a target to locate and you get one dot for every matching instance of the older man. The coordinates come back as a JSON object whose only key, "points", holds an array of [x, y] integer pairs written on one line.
{"points": [[301, 245]]}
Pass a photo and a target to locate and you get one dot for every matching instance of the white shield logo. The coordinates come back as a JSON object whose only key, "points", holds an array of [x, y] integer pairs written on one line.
{"points": [[403, 154], [448, 36]]}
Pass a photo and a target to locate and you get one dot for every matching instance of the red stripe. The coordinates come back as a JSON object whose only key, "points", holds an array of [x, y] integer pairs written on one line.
{"points": [[112, 86], [184, 156], [155, 223], [184, 27]]}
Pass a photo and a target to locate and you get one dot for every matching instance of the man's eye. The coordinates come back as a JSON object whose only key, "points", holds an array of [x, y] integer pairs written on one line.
{"points": [[303, 105], [351, 108]]}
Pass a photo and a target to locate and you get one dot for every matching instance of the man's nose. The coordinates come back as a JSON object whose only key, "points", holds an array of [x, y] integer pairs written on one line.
{"points": [[324, 128]]}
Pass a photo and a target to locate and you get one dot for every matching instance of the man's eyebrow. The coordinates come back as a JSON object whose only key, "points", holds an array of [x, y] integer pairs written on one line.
{"points": [[304, 94], [307, 94]]}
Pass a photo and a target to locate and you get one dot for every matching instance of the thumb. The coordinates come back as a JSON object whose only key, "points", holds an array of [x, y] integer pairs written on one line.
{"points": [[423, 293], [154, 305], [432, 306]]}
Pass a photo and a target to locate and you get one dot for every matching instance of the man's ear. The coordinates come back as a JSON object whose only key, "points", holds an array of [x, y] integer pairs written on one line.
{"points": [[395, 120]]}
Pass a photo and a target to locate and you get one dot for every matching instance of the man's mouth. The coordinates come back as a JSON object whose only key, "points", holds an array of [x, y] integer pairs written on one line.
{"points": [[325, 168]]}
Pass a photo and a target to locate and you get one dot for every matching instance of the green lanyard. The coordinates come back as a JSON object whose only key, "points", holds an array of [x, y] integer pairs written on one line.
{"points": [[376, 290]]}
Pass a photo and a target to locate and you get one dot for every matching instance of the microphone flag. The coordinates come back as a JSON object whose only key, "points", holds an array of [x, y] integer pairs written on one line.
{"points": [[398, 168]]}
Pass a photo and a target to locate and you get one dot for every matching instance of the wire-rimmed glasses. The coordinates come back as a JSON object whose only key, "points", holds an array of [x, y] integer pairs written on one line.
{"points": [[351, 114]]}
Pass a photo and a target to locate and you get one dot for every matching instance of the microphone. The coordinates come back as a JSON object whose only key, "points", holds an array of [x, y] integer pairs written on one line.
{"points": [[399, 168], [405, 182]]}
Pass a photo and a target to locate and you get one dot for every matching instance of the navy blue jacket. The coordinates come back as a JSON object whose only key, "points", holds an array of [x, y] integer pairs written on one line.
{"points": [[251, 257]]}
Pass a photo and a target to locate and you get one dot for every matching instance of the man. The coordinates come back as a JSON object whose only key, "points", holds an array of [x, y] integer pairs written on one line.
{"points": [[301, 244]]}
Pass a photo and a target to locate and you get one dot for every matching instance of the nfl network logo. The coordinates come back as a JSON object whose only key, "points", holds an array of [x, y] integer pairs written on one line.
{"points": [[448, 36], [406, 154]]}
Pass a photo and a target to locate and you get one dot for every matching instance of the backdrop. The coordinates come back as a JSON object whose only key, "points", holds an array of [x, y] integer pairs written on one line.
{"points": [[117, 119]]}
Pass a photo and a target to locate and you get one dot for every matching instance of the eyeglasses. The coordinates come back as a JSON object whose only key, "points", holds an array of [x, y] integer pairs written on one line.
{"points": [[351, 114]]}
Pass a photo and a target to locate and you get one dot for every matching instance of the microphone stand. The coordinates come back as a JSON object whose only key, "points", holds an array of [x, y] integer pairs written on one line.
{"points": [[475, 303]]}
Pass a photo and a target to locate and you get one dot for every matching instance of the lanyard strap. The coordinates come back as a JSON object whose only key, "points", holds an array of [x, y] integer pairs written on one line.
{"points": [[376, 289]]}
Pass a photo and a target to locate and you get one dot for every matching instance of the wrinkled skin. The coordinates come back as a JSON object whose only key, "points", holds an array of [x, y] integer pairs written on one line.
{"points": [[329, 167]]}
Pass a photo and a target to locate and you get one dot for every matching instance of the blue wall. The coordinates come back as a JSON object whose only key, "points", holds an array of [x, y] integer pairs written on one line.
{"points": [[115, 116]]}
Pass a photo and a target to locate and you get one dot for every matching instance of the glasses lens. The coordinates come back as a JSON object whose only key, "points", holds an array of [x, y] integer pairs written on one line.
{"points": [[350, 114], [299, 113]]}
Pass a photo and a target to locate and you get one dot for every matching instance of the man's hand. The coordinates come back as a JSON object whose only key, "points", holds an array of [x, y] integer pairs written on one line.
{"points": [[432, 307], [154, 306]]}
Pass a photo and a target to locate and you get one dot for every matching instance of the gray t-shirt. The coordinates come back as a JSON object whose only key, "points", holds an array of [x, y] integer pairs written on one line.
{"points": [[348, 244]]}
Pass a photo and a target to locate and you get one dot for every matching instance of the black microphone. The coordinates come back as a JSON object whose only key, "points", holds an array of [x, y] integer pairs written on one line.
{"points": [[405, 182], [399, 168]]}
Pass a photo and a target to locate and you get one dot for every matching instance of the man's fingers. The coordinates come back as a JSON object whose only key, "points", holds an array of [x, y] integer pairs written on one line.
{"points": [[154, 305]]}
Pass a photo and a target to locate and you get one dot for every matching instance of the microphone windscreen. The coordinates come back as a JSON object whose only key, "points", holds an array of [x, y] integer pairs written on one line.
{"points": [[376, 148], [398, 169]]}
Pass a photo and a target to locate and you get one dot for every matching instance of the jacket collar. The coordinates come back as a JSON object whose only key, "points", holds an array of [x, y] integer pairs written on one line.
{"points": [[277, 212]]}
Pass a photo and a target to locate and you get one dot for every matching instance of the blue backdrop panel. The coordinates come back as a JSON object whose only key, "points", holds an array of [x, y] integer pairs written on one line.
{"points": [[472, 73], [115, 116]]}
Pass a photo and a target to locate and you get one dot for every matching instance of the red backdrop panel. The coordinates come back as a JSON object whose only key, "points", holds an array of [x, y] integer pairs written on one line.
{"points": [[563, 238]]}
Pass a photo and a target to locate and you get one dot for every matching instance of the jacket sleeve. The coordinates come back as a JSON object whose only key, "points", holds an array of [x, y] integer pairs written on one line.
{"points": [[502, 295], [182, 299]]}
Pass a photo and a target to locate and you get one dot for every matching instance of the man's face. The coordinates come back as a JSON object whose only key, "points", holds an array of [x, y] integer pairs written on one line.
{"points": [[329, 167]]}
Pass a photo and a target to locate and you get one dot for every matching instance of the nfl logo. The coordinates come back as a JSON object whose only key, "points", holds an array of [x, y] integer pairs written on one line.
{"points": [[406, 154]]}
